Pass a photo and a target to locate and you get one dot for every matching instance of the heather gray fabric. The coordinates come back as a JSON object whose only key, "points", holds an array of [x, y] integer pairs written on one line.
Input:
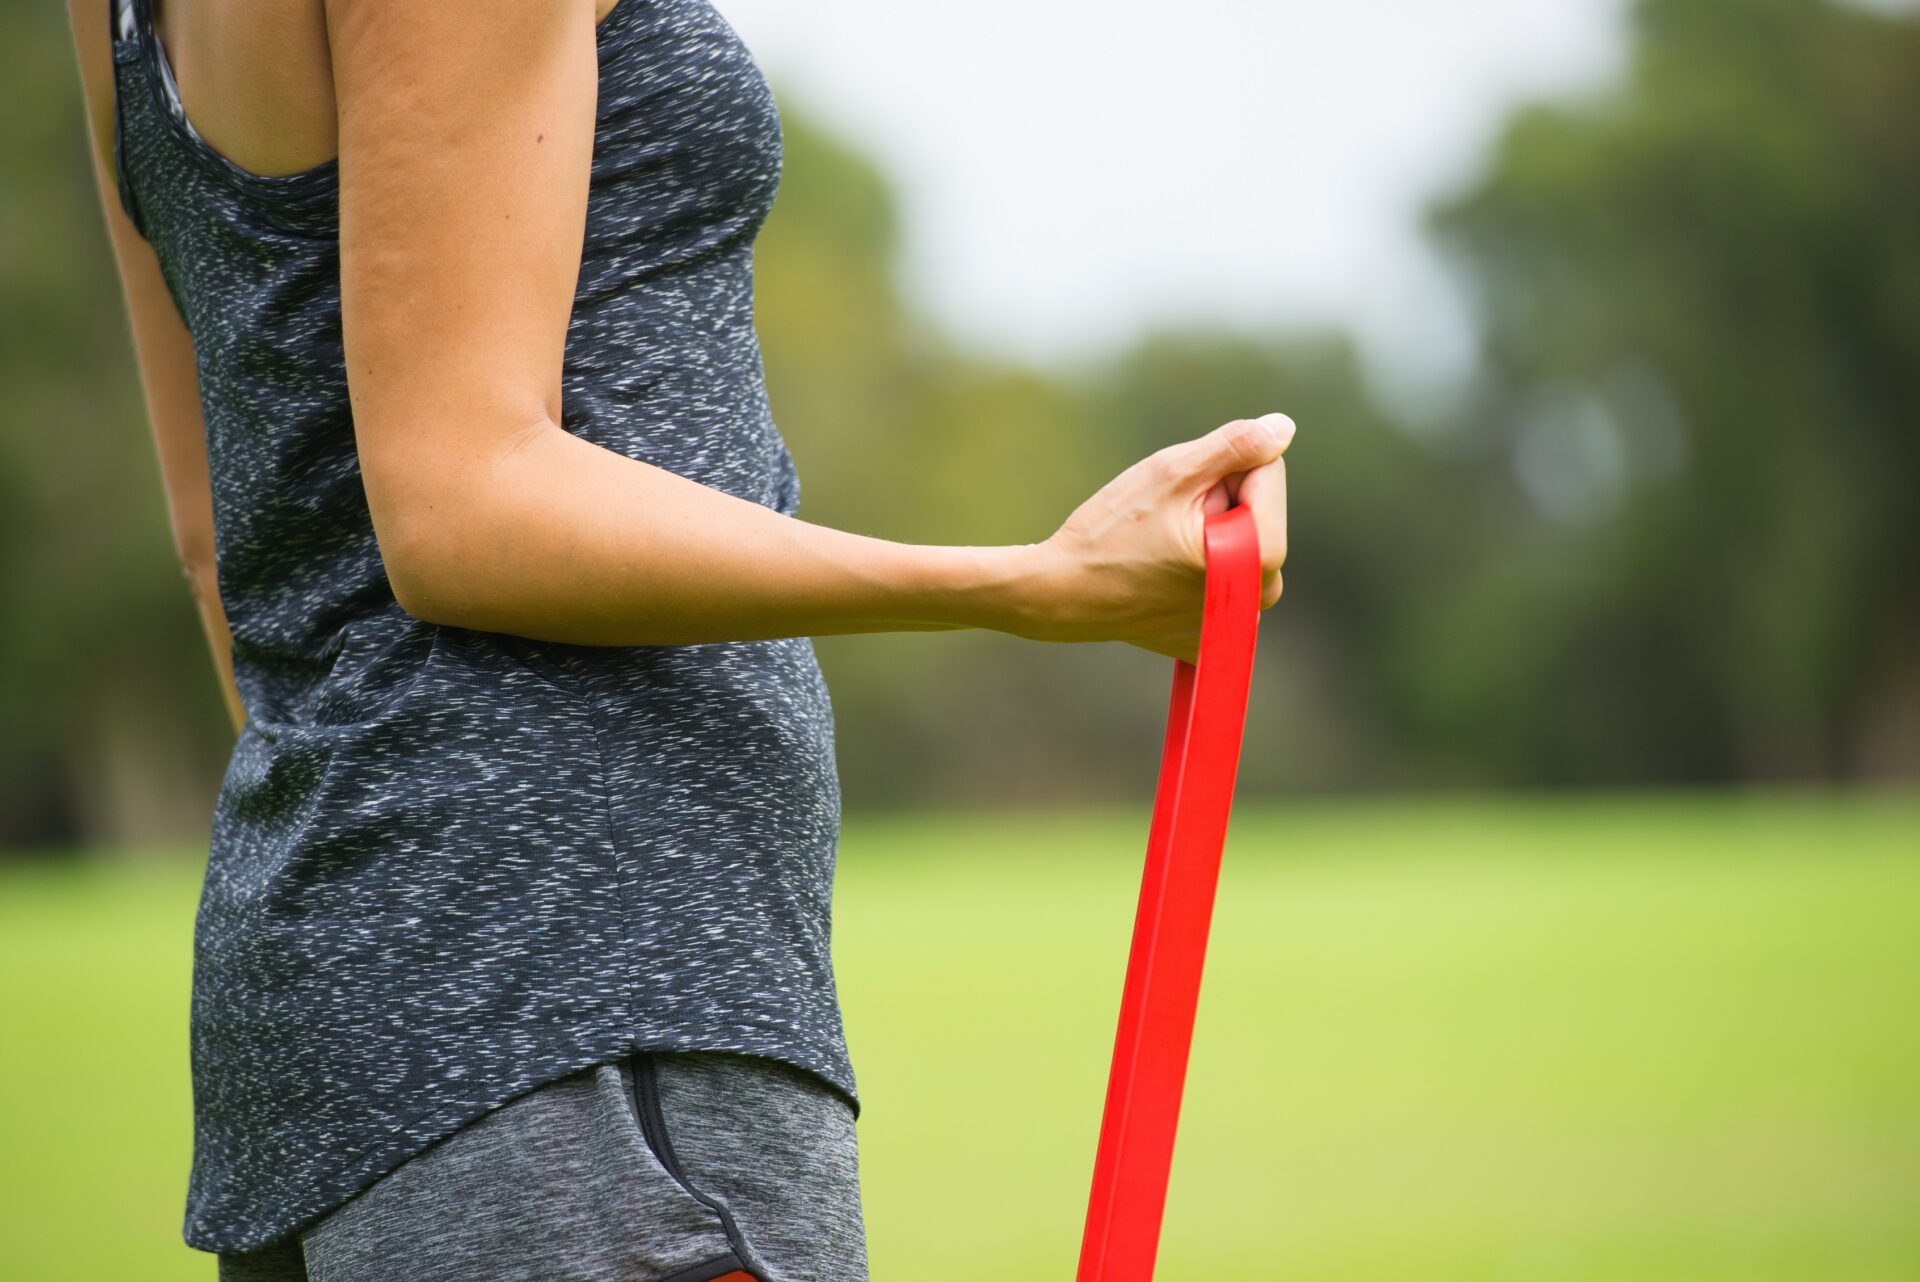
{"points": [[692, 1167], [448, 866]]}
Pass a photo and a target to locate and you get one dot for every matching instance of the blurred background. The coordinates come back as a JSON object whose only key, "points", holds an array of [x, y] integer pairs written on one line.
{"points": [[1571, 920]]}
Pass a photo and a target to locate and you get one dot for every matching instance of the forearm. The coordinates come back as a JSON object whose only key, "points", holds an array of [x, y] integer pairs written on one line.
{"points": [[559, 539], [213, 621]]}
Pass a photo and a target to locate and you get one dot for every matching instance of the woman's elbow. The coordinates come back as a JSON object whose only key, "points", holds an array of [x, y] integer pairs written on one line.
{"points": [[413, 550], [446, 528]]}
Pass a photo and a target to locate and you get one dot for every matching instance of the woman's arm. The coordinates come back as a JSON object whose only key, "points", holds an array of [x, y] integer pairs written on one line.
{"points": [[164, 351], [466, 141]]}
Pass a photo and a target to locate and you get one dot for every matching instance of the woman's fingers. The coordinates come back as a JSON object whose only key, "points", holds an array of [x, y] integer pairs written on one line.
{"points": [[1243, 461], [1124, 564], [1264, 489], [1261, 486], [1231, 448]]}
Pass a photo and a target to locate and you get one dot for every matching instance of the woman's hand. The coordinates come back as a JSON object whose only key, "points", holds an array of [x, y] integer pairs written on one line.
{"points": [[1130, 563]]}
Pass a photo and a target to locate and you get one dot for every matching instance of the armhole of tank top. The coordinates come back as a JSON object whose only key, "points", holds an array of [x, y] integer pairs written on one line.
{"points": [[124, 38], [290, 197]]}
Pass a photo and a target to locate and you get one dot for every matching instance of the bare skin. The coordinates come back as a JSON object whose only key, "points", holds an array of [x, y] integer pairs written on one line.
{"points": [[464, 138]]}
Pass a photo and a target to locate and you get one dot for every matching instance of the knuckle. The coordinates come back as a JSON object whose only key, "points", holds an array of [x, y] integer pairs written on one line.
{"points": [[1243, 437]]}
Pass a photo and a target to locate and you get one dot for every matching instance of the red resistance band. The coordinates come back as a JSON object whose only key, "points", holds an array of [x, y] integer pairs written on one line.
{"points": [[1189, 829]]}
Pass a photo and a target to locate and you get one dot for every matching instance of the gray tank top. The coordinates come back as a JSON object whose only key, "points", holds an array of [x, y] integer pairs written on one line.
{"points": [[448, 866]]}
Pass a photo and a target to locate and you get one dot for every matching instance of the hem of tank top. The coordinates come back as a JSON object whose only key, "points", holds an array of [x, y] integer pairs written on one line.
{"points": [[396, 1146], [151, 58]]}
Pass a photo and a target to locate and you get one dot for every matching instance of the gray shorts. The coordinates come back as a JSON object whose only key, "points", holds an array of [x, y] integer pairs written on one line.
{"points": [[662, 1167]]}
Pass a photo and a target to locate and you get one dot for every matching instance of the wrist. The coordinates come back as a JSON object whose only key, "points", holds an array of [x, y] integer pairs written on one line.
{"points": [[1000, 588]]}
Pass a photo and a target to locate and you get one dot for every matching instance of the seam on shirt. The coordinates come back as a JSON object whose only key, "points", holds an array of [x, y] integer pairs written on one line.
{"points": [[613, 832], [615, 840]]}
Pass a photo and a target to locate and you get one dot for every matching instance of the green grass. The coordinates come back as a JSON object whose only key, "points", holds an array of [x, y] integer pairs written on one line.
{"points": [[1606, 1041]]}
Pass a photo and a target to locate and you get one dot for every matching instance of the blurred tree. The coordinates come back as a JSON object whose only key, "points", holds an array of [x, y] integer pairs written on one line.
{"points": [[1669, 540], [901, 435], [913, 438], [1701, 304], [1368, 524]]}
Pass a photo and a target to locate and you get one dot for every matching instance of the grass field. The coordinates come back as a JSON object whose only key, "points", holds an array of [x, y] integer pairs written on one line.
{"points": [[1646, 1040]]}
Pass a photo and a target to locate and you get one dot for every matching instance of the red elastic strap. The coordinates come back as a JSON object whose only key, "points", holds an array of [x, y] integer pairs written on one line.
{"points": [[1189, 830]]}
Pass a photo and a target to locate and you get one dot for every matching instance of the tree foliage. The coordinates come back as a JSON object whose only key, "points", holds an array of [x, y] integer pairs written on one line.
{"points": [[1668, 538], [1700, 296]]}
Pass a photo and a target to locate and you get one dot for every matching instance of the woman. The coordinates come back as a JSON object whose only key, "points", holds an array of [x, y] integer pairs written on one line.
{"points": [[512, 955]]}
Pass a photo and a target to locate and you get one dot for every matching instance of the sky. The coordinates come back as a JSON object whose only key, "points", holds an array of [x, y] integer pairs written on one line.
{"points": [[1071, 172]]}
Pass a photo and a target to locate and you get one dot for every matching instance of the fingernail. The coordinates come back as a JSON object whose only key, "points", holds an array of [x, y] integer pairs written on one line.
{"points": [[1279, 425]]}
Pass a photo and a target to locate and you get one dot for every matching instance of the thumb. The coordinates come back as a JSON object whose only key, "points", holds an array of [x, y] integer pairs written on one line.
{"points": [[1231, 448]]}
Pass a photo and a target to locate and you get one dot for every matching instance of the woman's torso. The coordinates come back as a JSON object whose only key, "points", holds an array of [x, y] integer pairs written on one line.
{"points": [[449, 865]]}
